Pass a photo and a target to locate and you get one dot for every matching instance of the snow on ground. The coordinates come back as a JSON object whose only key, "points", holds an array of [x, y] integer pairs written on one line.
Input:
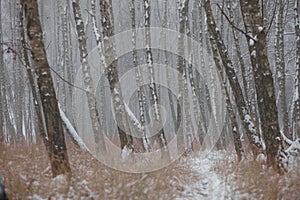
{"points": [[210, 184]]}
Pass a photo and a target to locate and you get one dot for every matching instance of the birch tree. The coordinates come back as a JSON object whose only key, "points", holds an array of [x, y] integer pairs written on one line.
{"points": [[229, 106], [111, 67], [182, 8], [2, 136], [88, 82], [200, 89], [242, 108], [296, 98], [160, 136], [138, 78], [280, 66], [55, 141]]}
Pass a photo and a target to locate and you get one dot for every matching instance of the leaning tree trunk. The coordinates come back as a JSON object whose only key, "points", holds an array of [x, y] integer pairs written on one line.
{"points": [[234, 124], [247, 120], [32, 82], [57, 149], [88, 82], [257, 45], [111, 67]]}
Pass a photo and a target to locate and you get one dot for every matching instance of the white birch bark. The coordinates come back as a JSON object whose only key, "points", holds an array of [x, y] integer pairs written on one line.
{"points": [[138, 78], [88, 82], [280, 67], [111, 67], [296, 97]]}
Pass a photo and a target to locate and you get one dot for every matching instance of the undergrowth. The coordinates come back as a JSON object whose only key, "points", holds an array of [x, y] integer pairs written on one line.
{"points": [[251, 179], [27, 175]]}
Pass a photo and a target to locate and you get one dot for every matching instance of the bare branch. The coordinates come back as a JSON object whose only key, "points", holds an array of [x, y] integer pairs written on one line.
{"points": [[233, 25]]}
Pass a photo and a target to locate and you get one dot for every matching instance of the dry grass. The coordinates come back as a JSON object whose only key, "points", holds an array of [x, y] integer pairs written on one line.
{"points": [[28, 176], [253, 180]]}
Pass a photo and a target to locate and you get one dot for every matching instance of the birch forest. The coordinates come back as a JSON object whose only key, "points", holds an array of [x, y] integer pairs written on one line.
{"points": [[150, 99]]}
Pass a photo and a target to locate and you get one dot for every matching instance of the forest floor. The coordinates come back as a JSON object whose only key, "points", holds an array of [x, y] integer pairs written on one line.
{"points": [[214, 175]]}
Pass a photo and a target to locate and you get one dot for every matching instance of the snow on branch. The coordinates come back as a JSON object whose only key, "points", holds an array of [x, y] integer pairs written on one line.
{"points": [[72, 130], [132, 117], [286, 139], [294, 148]]}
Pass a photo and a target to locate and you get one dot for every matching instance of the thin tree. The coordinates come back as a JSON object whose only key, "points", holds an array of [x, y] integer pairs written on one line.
{"points": [[296, 98], [181, 62], [111, 67], [247, 120], [138, 78], [2, 95], [88, 82], [280, 66], [160, 136], [229, 106]]}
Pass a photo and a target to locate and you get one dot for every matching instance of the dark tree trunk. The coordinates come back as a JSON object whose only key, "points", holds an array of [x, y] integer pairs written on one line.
{"points": [[257, 44], [248, 122], [54, 141]]}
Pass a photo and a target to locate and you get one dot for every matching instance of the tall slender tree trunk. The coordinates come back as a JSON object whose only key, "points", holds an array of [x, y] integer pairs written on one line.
{"points": [[280, 67], [234, 124], [2, 95], [32, 83], [111, 68], [57, 149], [138, 76], [160, 136], [257, 45], [182, 8], [200, 89], [243, 110], [166, 62], [296, 98], [88, 82]]}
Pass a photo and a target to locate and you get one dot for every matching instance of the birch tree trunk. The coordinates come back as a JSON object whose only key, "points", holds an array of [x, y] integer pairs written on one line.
{"points": [[111, 68], [182, 8], [280, 67], [138, 77], [2, 135], [57, 149], [257, 45], [160, 136], [88, 82], [234, 125], [243, 111], [166, 62], [190, 80], [296, 98], [202, 95]]}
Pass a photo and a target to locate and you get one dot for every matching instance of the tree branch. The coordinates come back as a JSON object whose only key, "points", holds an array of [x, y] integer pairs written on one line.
{"points": [[233, 25]]}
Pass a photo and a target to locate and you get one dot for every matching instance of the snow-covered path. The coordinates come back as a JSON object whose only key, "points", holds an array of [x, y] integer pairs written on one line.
{"points": [[210, 184]]}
